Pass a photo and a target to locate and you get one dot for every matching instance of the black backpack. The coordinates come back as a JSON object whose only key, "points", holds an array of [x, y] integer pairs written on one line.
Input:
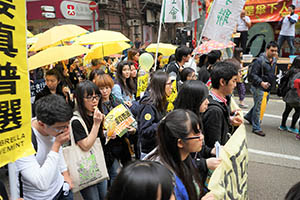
{"points": [[283, 86], [249, 72]]}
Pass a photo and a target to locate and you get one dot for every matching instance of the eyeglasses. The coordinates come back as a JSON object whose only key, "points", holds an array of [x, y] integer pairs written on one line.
{"points": [[92, 98], [58, 129], [194, 137]]}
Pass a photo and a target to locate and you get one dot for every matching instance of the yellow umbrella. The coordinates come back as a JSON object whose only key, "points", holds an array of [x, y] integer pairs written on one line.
{"points": [[57, 34], [55, 54], [105, 49], [101, 36], [263, 105], [33, 40], [29, 34], [165, 49]]}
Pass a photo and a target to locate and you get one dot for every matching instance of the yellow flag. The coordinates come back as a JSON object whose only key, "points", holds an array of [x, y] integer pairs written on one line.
{"points": [[172, 97], [15, 107], [142, 83]]}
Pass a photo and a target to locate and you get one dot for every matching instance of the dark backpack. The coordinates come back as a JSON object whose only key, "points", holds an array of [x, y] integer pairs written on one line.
{"points": [[283, 86], [250, 67]]}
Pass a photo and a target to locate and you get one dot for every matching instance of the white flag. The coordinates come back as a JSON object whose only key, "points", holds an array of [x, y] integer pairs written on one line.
{"points": [[196, 9], [223, 17], [174, 11]]}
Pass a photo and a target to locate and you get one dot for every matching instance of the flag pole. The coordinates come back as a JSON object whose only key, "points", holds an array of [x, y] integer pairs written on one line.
{"points": [[158, 37], [205, 24]]}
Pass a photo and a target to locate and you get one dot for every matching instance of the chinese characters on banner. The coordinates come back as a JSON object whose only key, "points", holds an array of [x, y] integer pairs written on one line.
{"points": [[230, 179], [174, 11], [223, 17], [266, 10], [15, 107]]}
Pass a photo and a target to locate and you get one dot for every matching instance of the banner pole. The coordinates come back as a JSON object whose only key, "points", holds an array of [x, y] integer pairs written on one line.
{"points": [[158, 37], [12, 180]]}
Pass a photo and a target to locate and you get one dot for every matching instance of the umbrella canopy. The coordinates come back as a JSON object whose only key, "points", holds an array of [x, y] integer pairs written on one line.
{"points": [[210, 45], [55, 54], [29, 34], [33, 40], [55, 35], [165, 49], [101, 36], [106, 49]]}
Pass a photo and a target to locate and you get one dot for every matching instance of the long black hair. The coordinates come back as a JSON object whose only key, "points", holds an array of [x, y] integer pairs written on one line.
{"points": [[84, 89], [177, 125], [140, 181], [126, 86], [157, 87], [191, 96]]}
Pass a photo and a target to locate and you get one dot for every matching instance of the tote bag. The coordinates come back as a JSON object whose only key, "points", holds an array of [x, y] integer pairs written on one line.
{"points": [[86, 168]]}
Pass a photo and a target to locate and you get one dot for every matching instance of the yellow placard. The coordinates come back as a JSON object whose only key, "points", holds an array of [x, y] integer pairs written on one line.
{"points": [[117, 121], [229, 180], [15, 106], [142, 84], [172, 97]]}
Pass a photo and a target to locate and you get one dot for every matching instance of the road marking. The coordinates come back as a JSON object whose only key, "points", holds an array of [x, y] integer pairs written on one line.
{"points": [[276, 155], [269, 115]]}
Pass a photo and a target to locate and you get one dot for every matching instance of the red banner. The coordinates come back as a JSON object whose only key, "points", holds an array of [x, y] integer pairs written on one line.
{"points": [[264, 10]]}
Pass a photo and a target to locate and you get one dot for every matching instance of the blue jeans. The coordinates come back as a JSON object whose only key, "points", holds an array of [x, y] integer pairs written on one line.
{"points": [[290, 40], [254, 114], [95, 192], [113, 171]]}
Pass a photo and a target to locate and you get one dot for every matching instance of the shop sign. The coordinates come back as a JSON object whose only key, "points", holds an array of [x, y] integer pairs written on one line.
{"points": [[76, 10]]}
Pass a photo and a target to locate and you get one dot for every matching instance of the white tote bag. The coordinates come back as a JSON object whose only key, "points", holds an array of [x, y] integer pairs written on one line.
{"points": [[86, 168]]}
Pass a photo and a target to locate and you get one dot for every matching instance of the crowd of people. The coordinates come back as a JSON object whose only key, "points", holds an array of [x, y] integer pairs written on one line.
{"points": [[177, 147]]}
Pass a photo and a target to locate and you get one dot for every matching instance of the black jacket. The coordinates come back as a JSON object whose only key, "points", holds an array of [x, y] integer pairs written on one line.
{"points": [[148, 120], [263, 71], [174, 67], [216, 121]]}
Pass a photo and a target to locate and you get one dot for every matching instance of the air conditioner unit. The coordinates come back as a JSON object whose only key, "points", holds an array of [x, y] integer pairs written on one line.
{"points": [[128, 4], [103, 2]]}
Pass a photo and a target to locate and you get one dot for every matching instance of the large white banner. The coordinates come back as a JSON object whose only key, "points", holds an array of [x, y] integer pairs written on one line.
{"points": [[222, 19], [173, 11]]}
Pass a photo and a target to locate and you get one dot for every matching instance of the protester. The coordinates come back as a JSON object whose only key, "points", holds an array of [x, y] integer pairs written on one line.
{"points": [[243, 25], [186, 74], [95, 74], [43, 175], [178, 135], [143, 180], [204, 73], [219, 118], [133, 56], [263, 75], [153, 108], [291, 99], [87, 97], [240, 83], [75, 73], [52, 79], [193, 96], [182, 55], [287, 31], [133, 77], [117, 147], [124, 89]]}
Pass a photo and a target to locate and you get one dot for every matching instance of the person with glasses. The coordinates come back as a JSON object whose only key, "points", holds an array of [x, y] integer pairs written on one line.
{"points": [[194, 97], [153, 107], [179, 135], [45, 175], [87, 98]]}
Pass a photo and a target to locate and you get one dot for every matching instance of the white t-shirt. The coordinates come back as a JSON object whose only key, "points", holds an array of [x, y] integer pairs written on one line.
{"points": [[192, 64], [41, 173], [287, 28], [241, 25]]}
